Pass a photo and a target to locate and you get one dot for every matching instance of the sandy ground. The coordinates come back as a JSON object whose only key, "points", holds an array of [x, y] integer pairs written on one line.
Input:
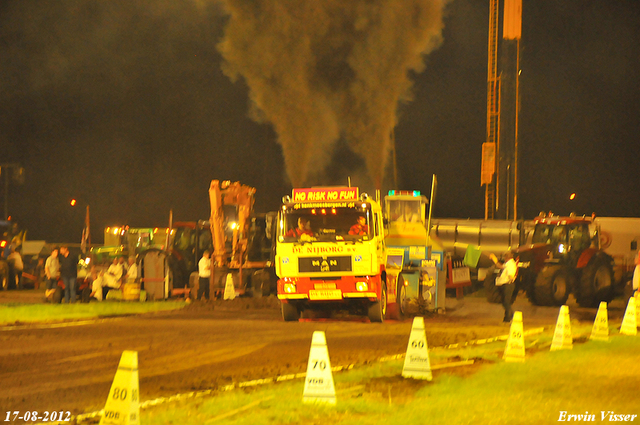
{"points": [[208, 345]]}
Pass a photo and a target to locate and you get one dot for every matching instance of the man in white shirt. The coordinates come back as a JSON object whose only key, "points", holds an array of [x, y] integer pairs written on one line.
{"points": [[132, 271], [506, 281], [204, 274], [109, 279], [52, 271]]}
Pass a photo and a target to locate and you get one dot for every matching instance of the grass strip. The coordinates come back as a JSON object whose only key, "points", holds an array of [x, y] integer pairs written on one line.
{"points": [[31, 313], [591, 378]]}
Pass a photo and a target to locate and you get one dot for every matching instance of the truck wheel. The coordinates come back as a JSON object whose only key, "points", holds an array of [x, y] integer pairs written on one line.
{"points": [[398, 310], [596, 284], [491, 291], [290, 312], [378, 309], [552, 286], [402, 300]]}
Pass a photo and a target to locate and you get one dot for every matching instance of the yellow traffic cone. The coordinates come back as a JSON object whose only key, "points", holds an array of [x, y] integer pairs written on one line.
{"points": [[600, 331], [229, 289], [514, 351], [629, 324], [416, 361], [318, 384], [123, 403], [562, 339]]}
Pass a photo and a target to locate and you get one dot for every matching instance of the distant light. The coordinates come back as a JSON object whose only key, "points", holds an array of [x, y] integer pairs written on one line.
{"points": [[573, 196], [73, 202]]}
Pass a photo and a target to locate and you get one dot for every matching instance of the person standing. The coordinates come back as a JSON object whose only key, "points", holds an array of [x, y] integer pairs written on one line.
{"points": [[506, 281], [16, 267], [52, 272], [69, 275], [204, 273]]}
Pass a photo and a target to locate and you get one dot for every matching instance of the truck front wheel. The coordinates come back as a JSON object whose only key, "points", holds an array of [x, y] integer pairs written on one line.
{"points": [[378, 309], [290, 312]]}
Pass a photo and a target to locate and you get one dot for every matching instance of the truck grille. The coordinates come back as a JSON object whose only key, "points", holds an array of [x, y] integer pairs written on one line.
{"points": [[324, 264]]}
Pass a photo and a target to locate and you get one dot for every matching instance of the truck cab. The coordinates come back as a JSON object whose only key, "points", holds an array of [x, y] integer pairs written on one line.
{"points": [[330, 253]]}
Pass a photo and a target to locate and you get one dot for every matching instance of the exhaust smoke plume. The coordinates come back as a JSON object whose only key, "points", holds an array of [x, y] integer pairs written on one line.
{"points": [[323, 70]]}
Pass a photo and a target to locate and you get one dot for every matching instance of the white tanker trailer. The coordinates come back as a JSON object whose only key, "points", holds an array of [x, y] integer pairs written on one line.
{"points": [[594, 259]]}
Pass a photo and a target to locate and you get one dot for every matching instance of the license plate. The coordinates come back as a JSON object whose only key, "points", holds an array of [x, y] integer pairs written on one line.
{"points": [[325, 294]]}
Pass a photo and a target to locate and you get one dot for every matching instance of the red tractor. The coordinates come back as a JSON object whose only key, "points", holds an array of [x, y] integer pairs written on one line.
{"points": [[565, 256]]}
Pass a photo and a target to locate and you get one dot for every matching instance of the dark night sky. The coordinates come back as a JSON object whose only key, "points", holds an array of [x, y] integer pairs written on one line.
{"points": [[124, 106]]}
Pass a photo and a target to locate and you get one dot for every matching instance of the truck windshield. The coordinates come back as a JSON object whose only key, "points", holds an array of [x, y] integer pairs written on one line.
{"points": [[408, 211], [325, 224]]}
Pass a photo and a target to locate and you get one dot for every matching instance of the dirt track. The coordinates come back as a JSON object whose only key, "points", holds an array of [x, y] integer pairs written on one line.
{"points": [[208, 345]]}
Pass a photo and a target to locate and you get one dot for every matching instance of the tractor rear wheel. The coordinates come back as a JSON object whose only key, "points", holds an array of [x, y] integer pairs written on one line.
{"points": [[552, 286], [596, 284]]}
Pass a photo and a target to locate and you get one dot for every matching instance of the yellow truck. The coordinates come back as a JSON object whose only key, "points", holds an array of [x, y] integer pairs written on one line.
{"points": [[331, 253]]}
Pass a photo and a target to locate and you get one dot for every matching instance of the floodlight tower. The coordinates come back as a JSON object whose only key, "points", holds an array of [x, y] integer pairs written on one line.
{"points": [[500, 151]]}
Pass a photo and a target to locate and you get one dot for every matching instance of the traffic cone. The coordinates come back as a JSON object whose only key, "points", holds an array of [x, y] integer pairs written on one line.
{"points": [[562, 339], [514, 351], [600, 331], [123, 403], [629, 324], [318, 384], [416, 361], [229, 289]]}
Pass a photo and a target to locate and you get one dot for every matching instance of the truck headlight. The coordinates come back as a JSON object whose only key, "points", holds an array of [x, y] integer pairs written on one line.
{"points": [[362, 286], [289, 288]]}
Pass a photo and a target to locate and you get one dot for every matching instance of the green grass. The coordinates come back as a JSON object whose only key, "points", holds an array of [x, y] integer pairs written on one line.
{"points": [[29, 313], [593, 377]]}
